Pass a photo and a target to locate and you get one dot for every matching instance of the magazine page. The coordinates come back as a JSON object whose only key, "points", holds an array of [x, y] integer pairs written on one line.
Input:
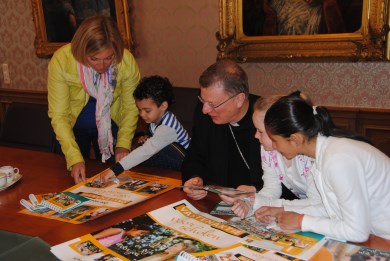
{"points": [[301, 245], [336, 250], [106, 198], [158, 235]]}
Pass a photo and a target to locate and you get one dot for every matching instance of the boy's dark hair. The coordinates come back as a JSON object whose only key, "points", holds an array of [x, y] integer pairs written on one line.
{"points": [[155, 87]]}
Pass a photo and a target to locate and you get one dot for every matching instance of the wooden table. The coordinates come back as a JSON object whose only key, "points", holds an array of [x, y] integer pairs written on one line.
{"points": [[46, 172]]}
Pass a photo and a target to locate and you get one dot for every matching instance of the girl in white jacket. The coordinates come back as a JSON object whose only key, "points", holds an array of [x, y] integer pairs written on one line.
{"points": [[352, 176]]}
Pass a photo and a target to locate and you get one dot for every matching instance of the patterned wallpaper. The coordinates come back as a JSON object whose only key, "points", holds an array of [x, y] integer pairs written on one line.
{"points": [[176, 39]]}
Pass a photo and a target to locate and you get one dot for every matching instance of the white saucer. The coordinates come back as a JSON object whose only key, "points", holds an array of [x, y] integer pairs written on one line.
{"points": [[17, 178]]}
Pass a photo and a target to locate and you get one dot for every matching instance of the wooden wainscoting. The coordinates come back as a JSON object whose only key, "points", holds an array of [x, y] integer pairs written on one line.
{"points": [[7, 96], [371, 123]]}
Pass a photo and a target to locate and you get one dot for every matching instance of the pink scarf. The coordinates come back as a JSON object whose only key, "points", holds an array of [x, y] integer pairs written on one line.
{"points": [[101, 87]]}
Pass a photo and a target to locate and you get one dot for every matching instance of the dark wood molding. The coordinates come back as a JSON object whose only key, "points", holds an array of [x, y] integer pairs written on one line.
{"points": [[373, 123]]}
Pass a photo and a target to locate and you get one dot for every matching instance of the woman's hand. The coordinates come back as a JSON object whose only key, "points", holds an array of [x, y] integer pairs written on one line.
{"points": [[106, 175], [195, 194], [78, 172], [120, 153]]}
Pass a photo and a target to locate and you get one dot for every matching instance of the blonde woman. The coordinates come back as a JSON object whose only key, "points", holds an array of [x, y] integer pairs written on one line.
{"points": [[90, 94]]}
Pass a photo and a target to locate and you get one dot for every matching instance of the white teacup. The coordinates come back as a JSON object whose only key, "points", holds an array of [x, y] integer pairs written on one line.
{"points": [[3, 179], [11, 173]]}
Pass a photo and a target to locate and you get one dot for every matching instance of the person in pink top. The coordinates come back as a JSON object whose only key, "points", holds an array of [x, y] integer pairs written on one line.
{"points": [[113, 235]]}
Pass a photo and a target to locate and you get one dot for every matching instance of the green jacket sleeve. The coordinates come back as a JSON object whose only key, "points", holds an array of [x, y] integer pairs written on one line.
{"points": [[60, 107]]}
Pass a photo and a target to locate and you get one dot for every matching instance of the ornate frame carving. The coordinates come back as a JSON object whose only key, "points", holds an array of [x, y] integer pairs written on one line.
{"points": [[45, 49], [369, 43]]}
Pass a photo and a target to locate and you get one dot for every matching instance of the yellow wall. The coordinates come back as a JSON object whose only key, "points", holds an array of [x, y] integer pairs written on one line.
{"points": [[176, 38]]}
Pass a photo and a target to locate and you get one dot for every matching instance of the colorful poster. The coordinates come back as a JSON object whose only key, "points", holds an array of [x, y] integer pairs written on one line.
{"points": [[130, 189]]}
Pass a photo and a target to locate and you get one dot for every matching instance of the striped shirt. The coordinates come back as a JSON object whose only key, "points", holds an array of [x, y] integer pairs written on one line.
{"points": [[170, 120]]}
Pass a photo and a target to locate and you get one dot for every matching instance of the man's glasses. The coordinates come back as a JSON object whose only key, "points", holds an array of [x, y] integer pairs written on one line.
{"points": [[211, 105]]}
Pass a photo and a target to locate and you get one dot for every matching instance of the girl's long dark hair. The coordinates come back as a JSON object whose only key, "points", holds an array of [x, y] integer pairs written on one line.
{"points": [[295, 114]]}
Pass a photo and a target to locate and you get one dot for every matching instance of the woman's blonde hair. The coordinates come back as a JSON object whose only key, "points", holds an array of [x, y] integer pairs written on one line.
{"points": [[264, 103], [96, 34]]}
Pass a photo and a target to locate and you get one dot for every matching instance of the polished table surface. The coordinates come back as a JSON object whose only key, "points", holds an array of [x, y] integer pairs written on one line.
{"points": [[46, 172]]}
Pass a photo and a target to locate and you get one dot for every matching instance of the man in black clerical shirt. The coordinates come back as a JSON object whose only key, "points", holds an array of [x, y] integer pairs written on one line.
{"points": [[223, 149]]}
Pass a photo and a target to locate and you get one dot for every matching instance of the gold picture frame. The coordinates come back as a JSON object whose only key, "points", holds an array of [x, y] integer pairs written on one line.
{"points": [[45, 48], [369, 43]]}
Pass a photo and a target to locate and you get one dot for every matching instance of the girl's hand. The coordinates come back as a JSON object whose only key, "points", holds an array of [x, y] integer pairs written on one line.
{"points": [[242, 207], [267, 214], [289, 220]]}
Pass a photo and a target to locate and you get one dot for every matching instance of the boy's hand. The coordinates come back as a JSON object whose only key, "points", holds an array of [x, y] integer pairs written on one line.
{"points": [[106, 175], [142, 139]]}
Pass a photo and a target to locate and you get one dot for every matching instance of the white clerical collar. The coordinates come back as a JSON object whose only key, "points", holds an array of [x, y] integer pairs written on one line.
{"points": [[234, 124]]}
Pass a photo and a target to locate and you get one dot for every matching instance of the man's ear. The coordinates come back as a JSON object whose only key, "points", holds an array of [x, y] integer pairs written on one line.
{"points": [[241, 99], [297, 139]]}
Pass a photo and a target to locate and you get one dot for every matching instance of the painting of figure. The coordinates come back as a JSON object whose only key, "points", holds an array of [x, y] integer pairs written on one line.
{"points": [[301, 17]]}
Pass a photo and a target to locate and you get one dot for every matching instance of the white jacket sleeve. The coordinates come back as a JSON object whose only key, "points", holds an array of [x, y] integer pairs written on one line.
{"points": [[345, 196], [272, 188], [162, 137], [311, 205]]}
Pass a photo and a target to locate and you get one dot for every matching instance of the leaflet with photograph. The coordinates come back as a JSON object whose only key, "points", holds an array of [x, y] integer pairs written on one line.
{"points": [[222, 208], [241, 252], [336, 250], [231, 192], [103, 198], [301, 245]]}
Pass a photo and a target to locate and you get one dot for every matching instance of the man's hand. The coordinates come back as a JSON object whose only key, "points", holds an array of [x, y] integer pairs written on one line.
{"points": [[247, 188], [232, 200], [78, 172], [120, 153], [195, 194]]}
